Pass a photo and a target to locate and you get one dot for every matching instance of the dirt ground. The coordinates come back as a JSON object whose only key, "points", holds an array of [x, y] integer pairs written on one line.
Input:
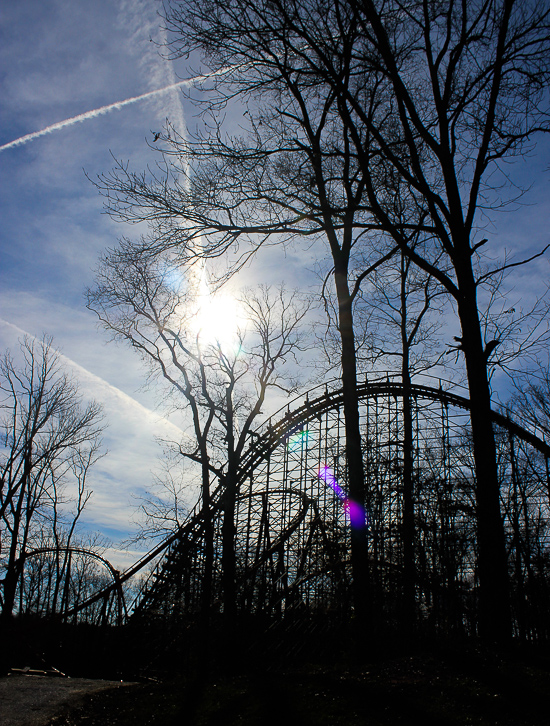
{"points": [[32, 700], [476, 689], [455, 687]]}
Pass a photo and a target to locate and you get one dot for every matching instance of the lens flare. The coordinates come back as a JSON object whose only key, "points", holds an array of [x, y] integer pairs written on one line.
{"points": [[299, 440], [355, 512]]}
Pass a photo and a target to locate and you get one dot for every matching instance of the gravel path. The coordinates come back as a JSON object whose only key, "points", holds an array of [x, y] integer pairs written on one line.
{"points": [[34, 700]]}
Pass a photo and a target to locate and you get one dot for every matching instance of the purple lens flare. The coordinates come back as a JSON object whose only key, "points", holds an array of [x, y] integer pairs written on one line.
{"points": [[354, 511], [356, 514]]}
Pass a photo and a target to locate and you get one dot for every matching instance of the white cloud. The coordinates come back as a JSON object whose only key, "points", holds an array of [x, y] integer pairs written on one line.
{"points": [[133, 452]]}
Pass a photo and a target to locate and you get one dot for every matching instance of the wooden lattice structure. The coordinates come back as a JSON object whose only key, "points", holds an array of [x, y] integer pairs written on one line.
{"points": [[293, 534]]}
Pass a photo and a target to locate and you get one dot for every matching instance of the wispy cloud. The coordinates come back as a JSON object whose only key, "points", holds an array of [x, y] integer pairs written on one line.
{"points": [[168, 426], [147, 39], [133, 458], [108, 391]]}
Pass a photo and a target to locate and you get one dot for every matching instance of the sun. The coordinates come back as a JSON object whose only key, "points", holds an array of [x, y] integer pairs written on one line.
{"points": [[218, 318]]}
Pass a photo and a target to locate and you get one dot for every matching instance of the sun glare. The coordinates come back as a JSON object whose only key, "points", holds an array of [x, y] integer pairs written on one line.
{"points": [[218, 318]]}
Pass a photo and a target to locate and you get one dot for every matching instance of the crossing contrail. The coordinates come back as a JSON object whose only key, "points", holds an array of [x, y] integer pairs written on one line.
{"points": [[114, 397], [96, 112]]}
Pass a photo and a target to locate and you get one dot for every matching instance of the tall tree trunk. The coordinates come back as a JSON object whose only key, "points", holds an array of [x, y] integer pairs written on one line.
{"points": [[228, 525], [409, 573], [228, 548], [354, 455], [13, 570], [208, 539], [494, 606]]}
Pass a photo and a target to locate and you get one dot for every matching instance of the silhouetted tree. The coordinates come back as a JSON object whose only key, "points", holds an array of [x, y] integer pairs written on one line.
{"points": [[49, 443], [401, 297], [531, 402], [221, 386]]}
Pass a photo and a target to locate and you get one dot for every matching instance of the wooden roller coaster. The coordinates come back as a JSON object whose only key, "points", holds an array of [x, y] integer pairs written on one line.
{"points": [[292, 529]]}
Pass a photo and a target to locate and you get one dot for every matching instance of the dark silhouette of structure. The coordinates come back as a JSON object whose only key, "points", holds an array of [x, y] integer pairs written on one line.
{"points": [[293, 521]]}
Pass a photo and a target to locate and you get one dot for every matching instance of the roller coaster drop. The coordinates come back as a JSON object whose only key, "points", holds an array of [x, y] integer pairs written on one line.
{"points": [[292, 519]]}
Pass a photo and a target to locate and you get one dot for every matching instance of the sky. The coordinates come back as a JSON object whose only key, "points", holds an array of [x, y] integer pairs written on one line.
{"points": [[97, 66], [60, 59], [81, 82]]}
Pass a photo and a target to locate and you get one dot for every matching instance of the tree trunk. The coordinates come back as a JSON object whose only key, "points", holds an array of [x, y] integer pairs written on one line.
{"points": [[228, 525], [409, 570], [13, 569], [408, 604], [208, 541], [494, 607], [228, 548], [354, 455]]}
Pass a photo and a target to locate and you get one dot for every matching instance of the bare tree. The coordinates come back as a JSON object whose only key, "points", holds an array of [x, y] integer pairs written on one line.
{"points": [[222, 388], [484, 67], [531, 401], [49, 443], [402, 300], [292, 177], [164, 507]]}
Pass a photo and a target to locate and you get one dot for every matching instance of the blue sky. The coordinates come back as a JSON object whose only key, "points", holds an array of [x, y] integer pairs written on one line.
{"points": [[60, 59]]}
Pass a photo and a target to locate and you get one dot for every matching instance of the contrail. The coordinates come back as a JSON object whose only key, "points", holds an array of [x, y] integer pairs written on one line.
{"points": [[97, 112], [106, 390]]}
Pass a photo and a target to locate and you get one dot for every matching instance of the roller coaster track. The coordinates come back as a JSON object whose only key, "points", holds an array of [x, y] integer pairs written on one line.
{"points": [[274, 431], [115, 586]]}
